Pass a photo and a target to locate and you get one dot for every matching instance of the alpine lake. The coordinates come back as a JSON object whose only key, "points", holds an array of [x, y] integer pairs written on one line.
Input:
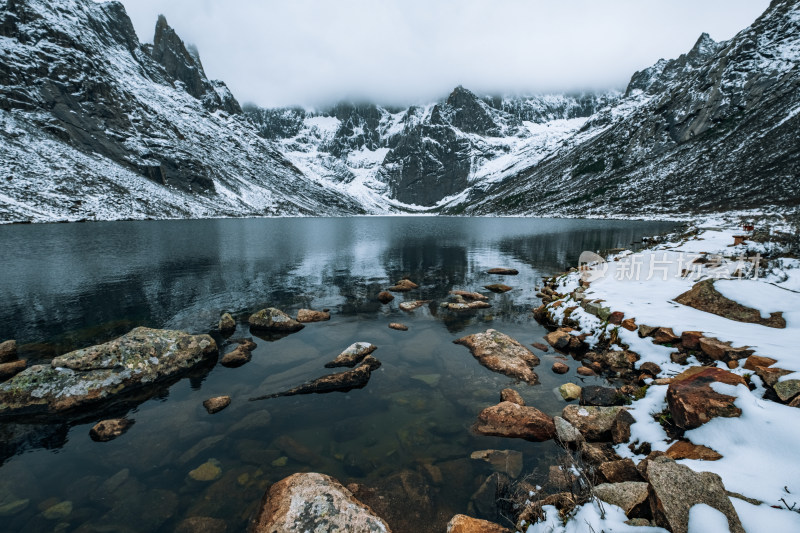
{"points": [[405, 438]]}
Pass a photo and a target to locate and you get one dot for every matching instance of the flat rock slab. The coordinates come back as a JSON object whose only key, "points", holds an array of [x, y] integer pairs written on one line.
{"points": [[414, 304], [691, 400], [511, 420], [676, 488], [500, 353], [103, 372], [464, 524], [497, 287], [404, 285], [352, 355], [467, 295], [356, 378], [628, 495], [705, 297], [468, 306], [594, 423], [398, 326], [272, 319], [314, 502], [503, 271]]}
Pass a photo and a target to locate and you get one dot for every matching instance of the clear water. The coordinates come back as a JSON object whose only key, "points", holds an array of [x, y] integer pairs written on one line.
{"points": [[72, 285]]}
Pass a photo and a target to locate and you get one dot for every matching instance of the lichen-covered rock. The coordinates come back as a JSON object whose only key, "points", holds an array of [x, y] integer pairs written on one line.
{"points": [[100, 373], [558, 339], [226, 323], [627, 495], [510, 420], [313, 502], [352, 355], [272, 319], [570, 391], [595, 423], [309, 315], [413, 304], [500, 353], [469, 295], [467, 306]]}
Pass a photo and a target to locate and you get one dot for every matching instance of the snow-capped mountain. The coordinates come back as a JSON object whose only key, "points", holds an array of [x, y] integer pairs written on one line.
{"points": [[96, 125]]}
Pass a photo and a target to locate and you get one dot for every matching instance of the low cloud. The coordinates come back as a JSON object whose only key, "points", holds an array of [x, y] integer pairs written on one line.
{"points": [[399, 52]]}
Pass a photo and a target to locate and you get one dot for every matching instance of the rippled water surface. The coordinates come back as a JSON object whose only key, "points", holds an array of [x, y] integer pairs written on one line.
{"points": [[405, 438]]}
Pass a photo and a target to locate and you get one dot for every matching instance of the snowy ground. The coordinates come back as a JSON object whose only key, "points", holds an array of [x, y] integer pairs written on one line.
{"points": [[758, 448]]}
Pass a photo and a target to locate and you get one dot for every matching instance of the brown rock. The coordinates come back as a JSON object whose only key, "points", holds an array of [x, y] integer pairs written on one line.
{"points": [[704, 296], [540, 346], [385, 297], [621, 427], [313, 502], [404, 285], [8, 351], [558, 339], [356, 378], [628, 495], [411, 305], [500, 353], [650, 368], [665, 336], [216, 404], [398, 326], [616, 318], [770, 375], [467, 306], [239, 356], [597, 453], [691, 400], [503, 271], [226, 323], [469, 295], [595, 423], [110, 429], [561, 479], [691, 339], [508, 419], [679, 357], [560, 368], [646, 331], [272, 319], [9, 370], [586, 371], [464, 524], [309, 315], [620, 471], [629, 324], [733, 363], [352, 355], [686, 450], [497, 287], [755, 361], [510, 395], [675, 489], [722, 351]]}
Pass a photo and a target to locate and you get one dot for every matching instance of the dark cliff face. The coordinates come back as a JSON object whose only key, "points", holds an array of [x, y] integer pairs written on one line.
{"points": [[717, 132]]}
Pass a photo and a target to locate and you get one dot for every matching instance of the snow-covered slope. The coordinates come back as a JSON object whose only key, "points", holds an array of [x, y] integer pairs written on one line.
{"points": [[94, 125]]}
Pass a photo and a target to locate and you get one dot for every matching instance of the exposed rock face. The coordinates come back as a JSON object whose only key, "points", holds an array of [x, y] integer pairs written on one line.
{"points": [[107, 430], [313, 502], [106, 371], [705, 297], [341, 382], [676, 488], [595, 423], [500, 353], [464, 524], [511, 420], [272, 319], [309, 315], [691, 400], [352, 355]]}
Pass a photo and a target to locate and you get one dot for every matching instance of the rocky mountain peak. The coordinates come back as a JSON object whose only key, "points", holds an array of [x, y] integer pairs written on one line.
{"points": [[465, 111]]}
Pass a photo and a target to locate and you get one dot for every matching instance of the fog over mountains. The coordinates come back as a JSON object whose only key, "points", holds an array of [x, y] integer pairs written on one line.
{"points": [[96, 125]]}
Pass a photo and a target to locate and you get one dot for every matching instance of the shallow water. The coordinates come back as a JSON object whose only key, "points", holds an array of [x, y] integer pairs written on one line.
{"points": [[72, 285]]}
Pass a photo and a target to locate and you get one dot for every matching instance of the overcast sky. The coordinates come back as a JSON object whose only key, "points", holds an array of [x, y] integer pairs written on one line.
{"points": [[311, 52]]}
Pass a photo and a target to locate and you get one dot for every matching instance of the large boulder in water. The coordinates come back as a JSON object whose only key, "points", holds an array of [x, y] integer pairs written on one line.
{"points": [[500, 353], [313, 502], [103, 372], [272, 319]]}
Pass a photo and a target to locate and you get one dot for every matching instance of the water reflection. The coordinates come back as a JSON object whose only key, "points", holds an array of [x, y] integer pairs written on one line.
{"points": [[404, 438]]}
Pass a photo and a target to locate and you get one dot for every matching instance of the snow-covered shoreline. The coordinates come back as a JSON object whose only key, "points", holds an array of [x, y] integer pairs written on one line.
{"points": [[756, 447]]}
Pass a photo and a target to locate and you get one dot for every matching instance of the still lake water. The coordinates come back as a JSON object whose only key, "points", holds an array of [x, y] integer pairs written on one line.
{"points": [[406, 434]]}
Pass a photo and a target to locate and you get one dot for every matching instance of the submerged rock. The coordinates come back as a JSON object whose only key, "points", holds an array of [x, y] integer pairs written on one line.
{"points": [[309, 315], [216, 404], [503, 271], [507, 462], [272, 319], [352, 355], [508, 419], [497, 287], [339, 382], [500, 353], [313, 502], [104, 372], [208, 471], [107, 430], [404, 285], [202, 524], [385, 297]]}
